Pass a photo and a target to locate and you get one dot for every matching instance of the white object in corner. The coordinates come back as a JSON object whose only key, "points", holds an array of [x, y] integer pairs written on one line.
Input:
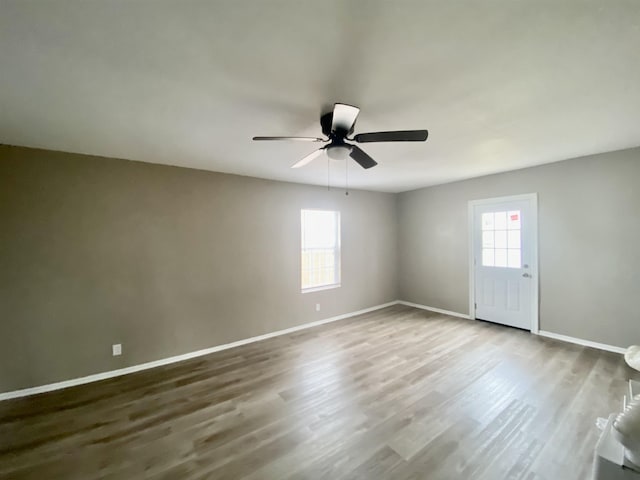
{"points": [[632, 357], [626, 429], [609, 462], [580, 341], [179, 358]]}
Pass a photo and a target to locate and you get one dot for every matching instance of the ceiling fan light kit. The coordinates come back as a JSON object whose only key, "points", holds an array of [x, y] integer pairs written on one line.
{"points": [[339, 152], [337, 125]]}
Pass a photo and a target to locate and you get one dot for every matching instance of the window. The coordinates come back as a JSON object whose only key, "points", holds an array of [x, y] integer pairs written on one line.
{"points": [[501, 239], [320, 249]]}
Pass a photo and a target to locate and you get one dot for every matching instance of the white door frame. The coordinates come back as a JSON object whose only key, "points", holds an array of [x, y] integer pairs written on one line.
{"points": [[533, 201]]}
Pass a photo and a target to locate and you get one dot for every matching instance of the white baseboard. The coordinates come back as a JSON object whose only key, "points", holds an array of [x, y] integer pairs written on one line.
{"points": [[556, 336], [186, 356], [433, 309], [178, 358], [580, 341]]}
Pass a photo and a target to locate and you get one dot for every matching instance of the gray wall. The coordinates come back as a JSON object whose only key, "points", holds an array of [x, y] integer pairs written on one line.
{"points": [[164, 260], [167, 260], [589, 243]]}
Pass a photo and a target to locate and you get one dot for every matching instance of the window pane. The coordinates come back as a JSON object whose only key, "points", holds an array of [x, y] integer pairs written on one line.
{"points": [[487, 257], [501, 238], [513, 220], [319, 229], [320, 252], [487, 239], [514, 259], [500, 222], [514, 239], [487, 221], [501, 257]]}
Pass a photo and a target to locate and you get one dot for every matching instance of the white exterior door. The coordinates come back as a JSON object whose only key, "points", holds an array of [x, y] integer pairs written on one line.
{"points": [[504, 261]]}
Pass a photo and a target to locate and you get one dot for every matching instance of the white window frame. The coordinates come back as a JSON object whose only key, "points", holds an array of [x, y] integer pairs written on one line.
{"points": [[337, 252]]}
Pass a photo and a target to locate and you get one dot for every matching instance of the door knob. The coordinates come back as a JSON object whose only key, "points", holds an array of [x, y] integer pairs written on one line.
{"points": [[526, 275]]}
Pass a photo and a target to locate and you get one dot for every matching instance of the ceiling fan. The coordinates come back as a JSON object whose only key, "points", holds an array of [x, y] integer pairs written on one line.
{"points": [[337, 125]]}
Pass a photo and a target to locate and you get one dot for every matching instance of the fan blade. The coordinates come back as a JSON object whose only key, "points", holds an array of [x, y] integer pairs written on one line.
{"points": [[308, 159], [344, 117], [299, 139], [361, 157], [397, 136]]}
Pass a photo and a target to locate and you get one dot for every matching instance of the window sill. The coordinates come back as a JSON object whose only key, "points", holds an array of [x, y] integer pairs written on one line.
{"points": [[322, 287]]}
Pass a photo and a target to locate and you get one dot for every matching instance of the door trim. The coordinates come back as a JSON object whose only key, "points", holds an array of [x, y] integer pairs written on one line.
{"points": [[533, 201]]}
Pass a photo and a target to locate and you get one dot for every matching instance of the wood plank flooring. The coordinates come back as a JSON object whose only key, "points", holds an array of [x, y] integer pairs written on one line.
{"points": [[395, 394]]}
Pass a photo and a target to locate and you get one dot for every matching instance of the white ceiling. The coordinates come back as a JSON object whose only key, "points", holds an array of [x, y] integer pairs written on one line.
{"points": [[500, 84]]}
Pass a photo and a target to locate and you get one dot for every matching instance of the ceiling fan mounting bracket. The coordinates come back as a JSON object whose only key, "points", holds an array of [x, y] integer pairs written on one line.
{"points": [[326, 122]]}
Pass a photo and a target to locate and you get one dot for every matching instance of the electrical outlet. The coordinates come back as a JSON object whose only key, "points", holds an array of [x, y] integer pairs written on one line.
{"points": [[116, 349], [317, 307]]}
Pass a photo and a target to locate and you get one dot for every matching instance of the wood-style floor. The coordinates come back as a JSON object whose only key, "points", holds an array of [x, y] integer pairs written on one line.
{"points": [[399, 393]]}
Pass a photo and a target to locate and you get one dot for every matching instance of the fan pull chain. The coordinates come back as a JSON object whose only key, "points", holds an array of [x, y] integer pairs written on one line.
{"points": [[328, 174], [346, 176]]}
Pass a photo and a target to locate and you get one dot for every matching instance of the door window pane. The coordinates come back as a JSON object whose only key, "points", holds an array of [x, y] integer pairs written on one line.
{"points": [[487, 221], [500, 220], [501, 239], [513, 221], [487, 239], [487, 257], [513, 260], [501, 257], [514, 239]]}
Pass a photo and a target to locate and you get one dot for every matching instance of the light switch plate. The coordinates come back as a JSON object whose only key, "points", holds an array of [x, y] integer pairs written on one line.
{"points": [[116, 349]]}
